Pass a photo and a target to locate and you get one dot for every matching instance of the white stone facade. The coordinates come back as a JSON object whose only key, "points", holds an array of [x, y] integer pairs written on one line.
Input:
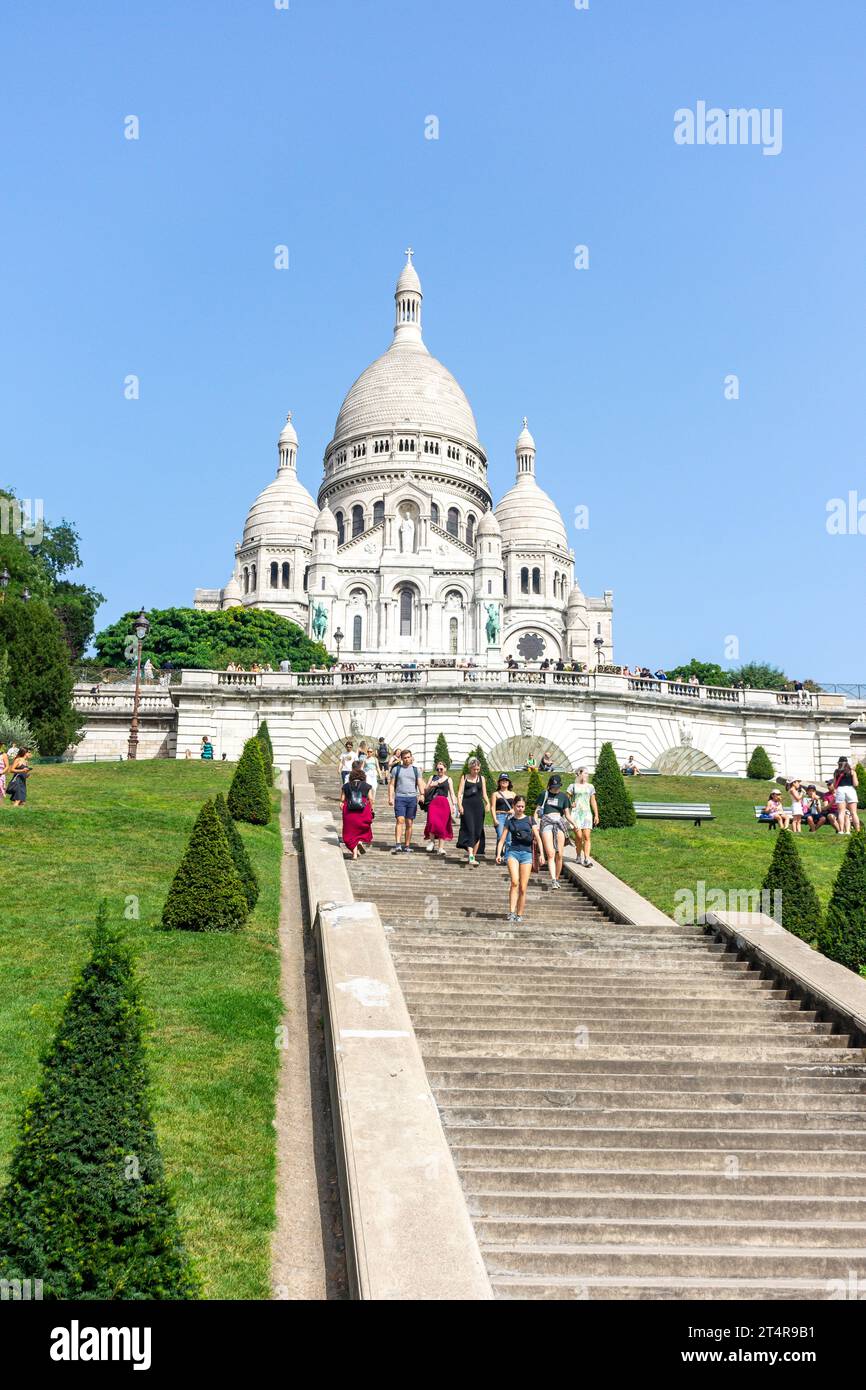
{"points": [[511, 713], [403, 551]]}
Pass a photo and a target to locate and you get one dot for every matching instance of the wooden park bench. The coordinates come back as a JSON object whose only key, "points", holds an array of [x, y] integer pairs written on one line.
{"points": [[673, 810]]}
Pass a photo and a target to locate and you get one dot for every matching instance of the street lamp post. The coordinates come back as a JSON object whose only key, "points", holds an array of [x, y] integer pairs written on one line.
{"points": [[338, 637], [140, 627], [599, 643]]}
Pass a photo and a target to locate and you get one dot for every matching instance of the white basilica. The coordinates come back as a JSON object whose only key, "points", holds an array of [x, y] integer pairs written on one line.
{"points": [[404, 554]]}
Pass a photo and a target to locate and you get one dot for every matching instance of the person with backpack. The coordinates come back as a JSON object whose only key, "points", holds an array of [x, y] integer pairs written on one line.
{"points": [[404, 789], [358, 812], [518, 833], [382, 755]]}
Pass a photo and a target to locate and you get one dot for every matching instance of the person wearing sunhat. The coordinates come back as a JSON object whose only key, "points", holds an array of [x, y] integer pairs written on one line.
{"points": [[553, 815]]}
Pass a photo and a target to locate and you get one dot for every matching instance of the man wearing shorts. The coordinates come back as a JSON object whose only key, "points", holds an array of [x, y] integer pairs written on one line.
{"points": [[404, 789]]}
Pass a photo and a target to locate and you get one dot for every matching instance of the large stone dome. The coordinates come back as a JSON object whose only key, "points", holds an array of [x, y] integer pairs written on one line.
{"points": [[528, 517], [406, 386]]}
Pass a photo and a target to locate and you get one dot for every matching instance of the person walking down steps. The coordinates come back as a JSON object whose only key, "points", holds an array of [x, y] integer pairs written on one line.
{"points": [[357, 807], [584, 815], [440, 803], [503, 802], [553, 814], [516, 836], [473, 803], [404, 789]]}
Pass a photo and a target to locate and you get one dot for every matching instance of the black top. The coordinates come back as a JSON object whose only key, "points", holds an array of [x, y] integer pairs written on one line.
{"points": [[553, 801], [502, 801], [845, 780], [520, 828]]}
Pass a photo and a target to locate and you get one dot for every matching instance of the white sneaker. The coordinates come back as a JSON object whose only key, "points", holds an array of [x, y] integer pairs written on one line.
{"points": [[430, 847]]}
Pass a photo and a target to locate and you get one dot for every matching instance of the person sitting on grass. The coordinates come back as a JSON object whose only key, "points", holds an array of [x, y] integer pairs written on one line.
{"points": [[829, 806], [775, 811]]}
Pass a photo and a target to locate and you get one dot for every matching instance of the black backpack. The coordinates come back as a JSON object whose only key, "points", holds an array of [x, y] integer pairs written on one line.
{"points": [[356, 799], [382, 751]]}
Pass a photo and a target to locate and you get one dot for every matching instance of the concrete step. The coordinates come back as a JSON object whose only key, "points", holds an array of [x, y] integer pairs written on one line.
{"points": [[671, 1184], [480, 1150], [519, 1010], [795, 1104], [643, 1118], [536, 1233], [660, 1289], [848, 1067], [594, 1135], [680, 1207], [700, 1261]]}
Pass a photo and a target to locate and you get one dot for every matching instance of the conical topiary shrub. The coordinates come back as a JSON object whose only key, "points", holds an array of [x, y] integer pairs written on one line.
{"points": [[534, 791], [87, 1210], [264, 738], [441, 754], [861, 782], [246, 872], [206, 893], [615, 806], [843, 934], [249, 797], [800, 907], [760, 768]]}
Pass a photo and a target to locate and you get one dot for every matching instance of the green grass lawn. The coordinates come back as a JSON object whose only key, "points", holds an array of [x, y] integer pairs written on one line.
{"points": [[658, 857], [117, 830]]}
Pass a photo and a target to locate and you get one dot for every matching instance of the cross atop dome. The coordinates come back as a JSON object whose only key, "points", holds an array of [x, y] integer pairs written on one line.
{"points": [[409, 253]]}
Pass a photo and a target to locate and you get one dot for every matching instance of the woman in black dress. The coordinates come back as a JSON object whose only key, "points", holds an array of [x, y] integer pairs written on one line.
{"points": [[473, 803], [19, 771]]}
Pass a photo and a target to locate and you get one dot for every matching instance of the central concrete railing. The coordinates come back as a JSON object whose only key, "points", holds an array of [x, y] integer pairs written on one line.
{"points": [[407, 1228]]}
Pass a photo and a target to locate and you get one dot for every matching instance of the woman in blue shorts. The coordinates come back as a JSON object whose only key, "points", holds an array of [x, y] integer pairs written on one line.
{"points": [[521, 831]]}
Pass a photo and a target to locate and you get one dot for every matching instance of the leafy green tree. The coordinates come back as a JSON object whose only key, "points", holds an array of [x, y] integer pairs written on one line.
{"points": [[242, 861], [843, 933], [38, 557], [758, 675], [760, 768], [249, 796], [39, 681], [534, 791], [441, 755], [206, 893], [615, 806], [707, 672], [209, 641], [801, 909], [87, 1209]]}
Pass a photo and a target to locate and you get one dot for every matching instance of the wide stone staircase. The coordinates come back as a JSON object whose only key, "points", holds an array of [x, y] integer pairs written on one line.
{"points": [[634, 1112]]}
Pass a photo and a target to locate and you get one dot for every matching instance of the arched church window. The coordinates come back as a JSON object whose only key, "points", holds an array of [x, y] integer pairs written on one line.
{"points": [[275, 570], [405, 612], [490, 586], [341, 527], [287, 575], [470, 530], [306, 578], [253, 577], [357, 520], [434, 513], [356, 633], [452, 636], [378, 512], [556, 586], [524, 580], [453, 526], [536, 581], [246, 580]]}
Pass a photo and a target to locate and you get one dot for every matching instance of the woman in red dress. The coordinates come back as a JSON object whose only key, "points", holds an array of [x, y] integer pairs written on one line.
{"points": [[357, 811], [440, 804]]}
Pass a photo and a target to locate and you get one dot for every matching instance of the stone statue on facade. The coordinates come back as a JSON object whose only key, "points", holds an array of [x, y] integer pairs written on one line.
{"points": [[527, 716], [407, 534], [492, 623], [320, 621], [356, 728]]}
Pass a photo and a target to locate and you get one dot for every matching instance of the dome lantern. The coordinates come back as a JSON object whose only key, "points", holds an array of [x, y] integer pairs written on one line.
{"points": [[287, 444], [407, 299], [525, 451]]}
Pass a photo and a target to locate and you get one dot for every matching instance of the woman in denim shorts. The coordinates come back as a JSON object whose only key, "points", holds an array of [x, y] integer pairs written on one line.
{"points": [[520, 830]]}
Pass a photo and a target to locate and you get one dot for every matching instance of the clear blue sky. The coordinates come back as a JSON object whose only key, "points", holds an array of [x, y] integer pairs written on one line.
{"points": [[306, 127]]}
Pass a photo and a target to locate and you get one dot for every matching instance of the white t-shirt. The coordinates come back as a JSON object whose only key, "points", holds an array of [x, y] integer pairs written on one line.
{"points": [[347, 759]]}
